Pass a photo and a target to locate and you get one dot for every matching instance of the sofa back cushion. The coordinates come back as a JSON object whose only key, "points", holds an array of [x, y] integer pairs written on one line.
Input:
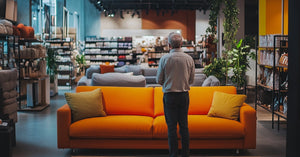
{"points": [[118, 79], [200, 99], [125, 100], [91, 70]]}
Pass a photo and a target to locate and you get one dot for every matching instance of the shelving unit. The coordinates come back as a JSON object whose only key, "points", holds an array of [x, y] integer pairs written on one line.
{"points": [[118, 52], [8, 48], [154, 56], [34, 83], [272, 77], [66, 74]]}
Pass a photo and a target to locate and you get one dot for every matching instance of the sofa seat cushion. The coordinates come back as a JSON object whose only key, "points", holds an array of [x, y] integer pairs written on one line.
{"points": [[113, 127], [202, 127]]}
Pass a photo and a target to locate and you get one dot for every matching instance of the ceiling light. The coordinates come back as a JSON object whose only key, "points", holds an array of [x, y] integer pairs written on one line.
{"points": [[99, 2]]}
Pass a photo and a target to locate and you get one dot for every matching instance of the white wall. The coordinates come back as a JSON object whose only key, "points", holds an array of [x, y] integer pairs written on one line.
{"points": [[117, 22], [201, 23]]}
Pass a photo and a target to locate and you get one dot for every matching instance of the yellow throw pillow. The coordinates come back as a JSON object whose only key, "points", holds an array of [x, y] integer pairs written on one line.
{"points": [[85, 104], [226, 105]]}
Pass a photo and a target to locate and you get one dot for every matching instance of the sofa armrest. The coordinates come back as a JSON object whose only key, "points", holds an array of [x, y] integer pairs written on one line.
{"points": [[248, 119], [84, 81], [63, 125]]}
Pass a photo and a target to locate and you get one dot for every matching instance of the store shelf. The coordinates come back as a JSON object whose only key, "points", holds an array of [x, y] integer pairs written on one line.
{"points": [[276, 73]]}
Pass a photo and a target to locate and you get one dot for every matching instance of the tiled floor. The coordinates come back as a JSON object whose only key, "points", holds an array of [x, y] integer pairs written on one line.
{"points": [[36, 137]]}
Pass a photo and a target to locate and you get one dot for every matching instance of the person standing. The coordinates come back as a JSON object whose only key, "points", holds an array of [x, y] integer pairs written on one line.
{"points": [[175, 73]]}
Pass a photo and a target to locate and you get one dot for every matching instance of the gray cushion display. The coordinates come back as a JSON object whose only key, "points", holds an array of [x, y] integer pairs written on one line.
{"points": [[211, 81], [91, 70], [118, 79], [137, 70], [198, 79], [150, 79], [149, 71], [121, 69], [84, 81]]}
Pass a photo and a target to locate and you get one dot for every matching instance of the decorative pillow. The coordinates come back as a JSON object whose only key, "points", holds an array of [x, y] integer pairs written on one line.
{"points": [[107, 68], [85, 104], [226, 105]]}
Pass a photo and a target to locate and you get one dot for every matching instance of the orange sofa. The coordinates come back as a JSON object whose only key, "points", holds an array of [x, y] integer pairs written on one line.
{"points": [[135, 120]]}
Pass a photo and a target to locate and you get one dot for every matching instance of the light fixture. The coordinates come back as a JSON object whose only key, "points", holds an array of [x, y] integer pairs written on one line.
{"points": [[98, 2]]}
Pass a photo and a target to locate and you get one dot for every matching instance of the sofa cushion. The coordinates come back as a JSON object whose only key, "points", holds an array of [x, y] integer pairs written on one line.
{"points": [[85, 104], [202, 127], [106, 68], [150, 79], [226, 105], [91, 70], [118, 79], [136, 69], [139, 100], [211, 81], [113, 127], [121, 69], [200, 99], [149, 71], [198, 79]]}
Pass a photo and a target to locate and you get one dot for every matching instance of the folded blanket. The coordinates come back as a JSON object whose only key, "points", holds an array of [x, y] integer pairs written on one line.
{"points": [[8, 86], [8, 109], [8, 75], [9, 94], [8, 26], [5, 102]]}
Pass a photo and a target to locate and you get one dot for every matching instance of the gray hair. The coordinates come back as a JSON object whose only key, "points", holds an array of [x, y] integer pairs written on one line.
{"points": [[175, 40]]}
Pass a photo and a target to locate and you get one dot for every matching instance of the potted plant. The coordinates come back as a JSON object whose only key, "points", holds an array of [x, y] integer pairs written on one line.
{"points": [[52, 71], [238, 61], [217, 69], [80, 59]]}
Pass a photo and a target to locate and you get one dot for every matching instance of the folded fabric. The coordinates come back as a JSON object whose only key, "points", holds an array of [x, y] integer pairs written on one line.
{"points": [[9, 94], [8, 26], [9, 108], [8, 75], [4, 102], [2, 29], [8, 86]]}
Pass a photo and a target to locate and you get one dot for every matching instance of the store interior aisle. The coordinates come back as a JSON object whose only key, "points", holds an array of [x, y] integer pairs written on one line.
{"points": [[36, 136]]}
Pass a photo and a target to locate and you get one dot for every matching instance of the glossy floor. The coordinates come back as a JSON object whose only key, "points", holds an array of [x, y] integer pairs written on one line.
{"points": [[36, 137]]}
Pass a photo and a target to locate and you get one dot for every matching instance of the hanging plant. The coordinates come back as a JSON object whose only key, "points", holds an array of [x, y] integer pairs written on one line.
{"points": [[213, 16], [231, 23]]}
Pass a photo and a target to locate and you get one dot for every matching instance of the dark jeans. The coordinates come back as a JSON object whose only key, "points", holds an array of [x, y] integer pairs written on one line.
{"points": [[176, 106]]}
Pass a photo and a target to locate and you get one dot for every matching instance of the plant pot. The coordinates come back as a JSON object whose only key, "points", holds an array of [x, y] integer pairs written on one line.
{"points": [[54, 87]]}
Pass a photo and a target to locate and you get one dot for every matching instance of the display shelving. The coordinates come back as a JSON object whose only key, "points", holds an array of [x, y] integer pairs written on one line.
{"points": [[100, 50], [34, 83], [65, 70], [272, 76]]}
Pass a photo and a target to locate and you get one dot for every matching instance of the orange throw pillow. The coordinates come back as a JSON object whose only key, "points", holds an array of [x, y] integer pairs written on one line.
{"points": [[107, 68]]}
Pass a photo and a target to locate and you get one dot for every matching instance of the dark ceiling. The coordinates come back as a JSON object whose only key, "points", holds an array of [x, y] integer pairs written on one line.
{"points": [[109, 5]]}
